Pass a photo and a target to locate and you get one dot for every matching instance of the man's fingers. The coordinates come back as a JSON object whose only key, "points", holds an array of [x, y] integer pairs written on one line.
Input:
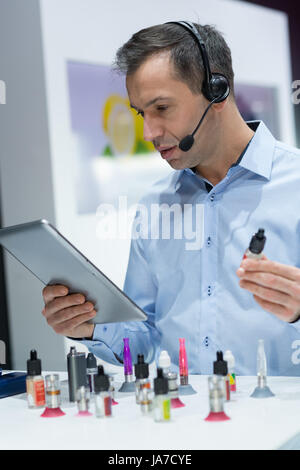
{"points": [[68, 325], [289, 272], [273, 282], [281, 311], [50, 292], [70, 313], [61, 303], [266, 293]]}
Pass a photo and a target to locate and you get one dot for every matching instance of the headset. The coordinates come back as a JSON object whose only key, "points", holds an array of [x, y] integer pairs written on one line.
{"points": [[215, 87]]}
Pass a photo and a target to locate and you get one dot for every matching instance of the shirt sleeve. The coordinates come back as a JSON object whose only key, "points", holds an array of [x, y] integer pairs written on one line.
{"points": [[107, 342]]}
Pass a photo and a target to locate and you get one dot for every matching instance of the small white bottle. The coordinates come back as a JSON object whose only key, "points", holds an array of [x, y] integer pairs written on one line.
{"points": [[164, 362]]}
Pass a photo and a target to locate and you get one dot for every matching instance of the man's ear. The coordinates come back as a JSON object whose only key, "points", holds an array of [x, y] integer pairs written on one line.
{"points": [[218, 107]]}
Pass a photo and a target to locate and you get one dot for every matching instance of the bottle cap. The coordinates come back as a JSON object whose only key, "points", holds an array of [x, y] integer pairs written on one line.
{"points": [[229, 358], [34, 365], [164, 359], [101, 381], [72, 351], [258, 242], [161, 386], [220, 366], [91, 361], [141, 368]]}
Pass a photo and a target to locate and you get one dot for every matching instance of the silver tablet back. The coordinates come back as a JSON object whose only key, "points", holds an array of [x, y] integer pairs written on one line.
{"points": [[54, 260]]}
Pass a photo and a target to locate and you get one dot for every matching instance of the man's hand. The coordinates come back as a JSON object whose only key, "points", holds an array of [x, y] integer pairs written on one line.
{"points": [[275, 286], [68, 315]]}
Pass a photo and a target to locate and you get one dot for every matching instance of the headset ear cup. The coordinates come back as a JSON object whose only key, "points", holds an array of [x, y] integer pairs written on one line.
{"points": [[219, 87]]}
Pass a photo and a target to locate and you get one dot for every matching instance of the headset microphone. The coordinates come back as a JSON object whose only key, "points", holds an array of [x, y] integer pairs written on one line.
{"points": [[187, 142], [215, 87]]}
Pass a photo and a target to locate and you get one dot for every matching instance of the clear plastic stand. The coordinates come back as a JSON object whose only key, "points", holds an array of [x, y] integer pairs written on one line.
{"points": [[262, 392], [186, 390], [127, 387]]}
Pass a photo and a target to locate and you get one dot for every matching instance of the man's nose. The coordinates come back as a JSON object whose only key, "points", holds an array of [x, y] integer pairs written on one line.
{"points": [[152, 130]]}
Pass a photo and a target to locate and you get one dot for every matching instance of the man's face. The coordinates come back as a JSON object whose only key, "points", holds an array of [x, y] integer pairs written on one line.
{"points": [[170, 111]]}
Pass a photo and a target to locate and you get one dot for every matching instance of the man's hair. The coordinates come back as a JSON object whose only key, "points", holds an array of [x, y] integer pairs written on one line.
{"points": [[184, 53]]}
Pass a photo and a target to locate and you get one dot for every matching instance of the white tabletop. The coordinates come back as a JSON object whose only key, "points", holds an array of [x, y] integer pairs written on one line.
{"points": [[254, 424]]}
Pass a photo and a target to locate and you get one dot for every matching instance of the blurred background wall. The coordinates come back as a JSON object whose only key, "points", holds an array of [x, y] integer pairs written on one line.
{"points": [[69, 143], [292, 10]]}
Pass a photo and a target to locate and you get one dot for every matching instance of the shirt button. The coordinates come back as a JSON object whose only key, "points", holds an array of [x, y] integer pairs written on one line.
{"points": [[208, 241], [209, 290], [206, 341], [212, 197]]}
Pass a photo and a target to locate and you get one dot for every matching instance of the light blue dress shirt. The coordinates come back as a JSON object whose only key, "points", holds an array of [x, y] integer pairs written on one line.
{"points": [[195, 293]]}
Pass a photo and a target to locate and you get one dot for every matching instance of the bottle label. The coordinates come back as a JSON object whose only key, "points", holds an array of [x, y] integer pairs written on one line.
{"points": [[39, 393], [233, 383], [29, 390], [107, 406], [146, 385], [227, 388], [166, 409]]}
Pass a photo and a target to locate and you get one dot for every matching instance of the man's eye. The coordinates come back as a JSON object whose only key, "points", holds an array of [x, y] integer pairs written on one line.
{"points": [[162, 108]]}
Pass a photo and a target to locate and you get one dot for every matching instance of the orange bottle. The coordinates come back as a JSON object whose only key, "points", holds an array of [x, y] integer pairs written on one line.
{"points": [[35, 386]]}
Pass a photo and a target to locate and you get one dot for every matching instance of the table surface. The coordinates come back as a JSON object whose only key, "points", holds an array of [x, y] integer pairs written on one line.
{"points": [[254, 424]]}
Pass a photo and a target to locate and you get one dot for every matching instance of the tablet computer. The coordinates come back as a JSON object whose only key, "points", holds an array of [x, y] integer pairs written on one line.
{"points": [[54, 260]]}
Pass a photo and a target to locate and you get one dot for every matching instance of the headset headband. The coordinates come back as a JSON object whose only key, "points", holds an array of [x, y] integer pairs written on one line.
{"points": [[215, 85]]}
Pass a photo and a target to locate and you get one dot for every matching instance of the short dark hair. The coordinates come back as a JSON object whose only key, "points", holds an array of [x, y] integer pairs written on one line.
{"points": [[184, 52]]}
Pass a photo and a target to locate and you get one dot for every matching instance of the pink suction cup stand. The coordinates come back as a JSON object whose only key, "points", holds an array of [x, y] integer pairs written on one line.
{"points": [[83, 414], [114, 402], [176, 403], [52, 413], [220, 416]]}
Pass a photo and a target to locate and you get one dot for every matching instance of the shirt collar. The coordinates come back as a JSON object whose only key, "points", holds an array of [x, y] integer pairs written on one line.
{"points": [[257, 157]]}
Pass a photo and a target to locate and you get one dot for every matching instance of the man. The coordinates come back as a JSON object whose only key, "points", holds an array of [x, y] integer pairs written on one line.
{"points": [[244, 180]]}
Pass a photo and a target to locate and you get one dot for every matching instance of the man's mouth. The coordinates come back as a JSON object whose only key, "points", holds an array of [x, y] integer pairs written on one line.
{"points": [[166, 152]]}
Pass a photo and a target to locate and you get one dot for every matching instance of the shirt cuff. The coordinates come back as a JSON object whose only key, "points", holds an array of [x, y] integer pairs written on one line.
{"points": [[296, 324], [99, 344]]}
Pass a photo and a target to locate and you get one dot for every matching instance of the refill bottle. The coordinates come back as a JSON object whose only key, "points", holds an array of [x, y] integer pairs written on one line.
{"points": [[162, 402], [183, 365], [173, 390], [221, 368], [103, 402], [256, 246], [127, 361], [146, 400], [141, 370], [216, 399], [53, 397], [83, 401], [112, 389], [35, 386], [262, 390]]}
